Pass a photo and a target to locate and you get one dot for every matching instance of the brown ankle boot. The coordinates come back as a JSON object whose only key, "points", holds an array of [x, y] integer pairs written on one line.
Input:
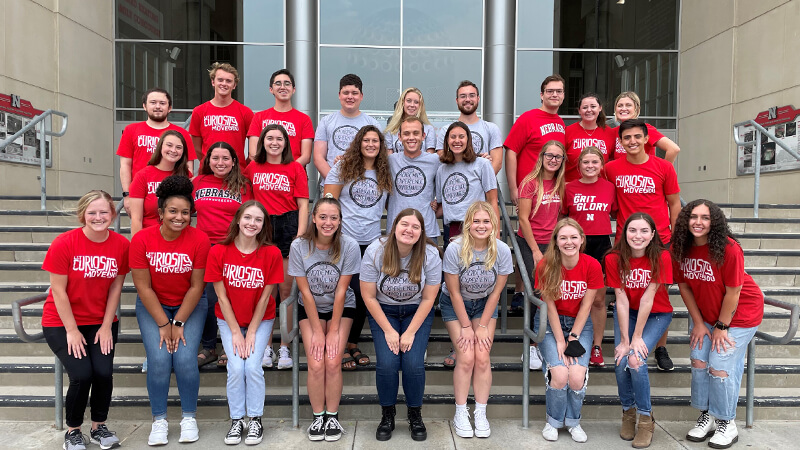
{"points": [[628, 425], [644, 432]]}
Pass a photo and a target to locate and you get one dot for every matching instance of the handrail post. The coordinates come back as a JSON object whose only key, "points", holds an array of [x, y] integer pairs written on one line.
{"points": [[756, 172], [43, 165], [526, 361], [292, 336], [751, 382], [59, 394]]}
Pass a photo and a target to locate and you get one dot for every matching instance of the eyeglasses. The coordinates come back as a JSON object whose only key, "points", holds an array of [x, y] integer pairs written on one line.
{"points": [[284, 83], [466, 96], [550, 157], [554, 91]]}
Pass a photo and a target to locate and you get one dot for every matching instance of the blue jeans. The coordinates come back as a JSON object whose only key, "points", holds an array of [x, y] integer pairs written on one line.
{"points": [[720, 397], [412, 362], [474, 308], [209, 339], [564, 405], [633, 385], [245, 385], [160, 363]]}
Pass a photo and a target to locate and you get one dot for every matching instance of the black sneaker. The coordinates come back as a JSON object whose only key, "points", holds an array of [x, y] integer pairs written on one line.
{"points": [[234, 435], [255, 431], [333, 429], [74, 440], [106, 439], [662, 360], [316, 431]]}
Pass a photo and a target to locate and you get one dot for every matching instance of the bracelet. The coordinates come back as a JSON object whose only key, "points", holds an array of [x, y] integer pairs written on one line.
{"points": [[168, 322], [484, 326], [468, 326]]}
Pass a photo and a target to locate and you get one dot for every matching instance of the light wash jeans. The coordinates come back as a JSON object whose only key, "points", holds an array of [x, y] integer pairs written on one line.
{"points": [[564, 405], [714, 394], [634, 385], [245, 386]]}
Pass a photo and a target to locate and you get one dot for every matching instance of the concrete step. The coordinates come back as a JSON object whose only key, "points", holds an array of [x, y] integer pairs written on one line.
{"points": [[745, 211]]}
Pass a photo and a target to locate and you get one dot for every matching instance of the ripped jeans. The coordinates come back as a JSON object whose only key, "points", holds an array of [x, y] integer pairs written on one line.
{"points": [[714, 394], [564, 405]]}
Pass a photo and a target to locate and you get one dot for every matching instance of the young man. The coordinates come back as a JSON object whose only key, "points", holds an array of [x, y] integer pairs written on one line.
{"points": [[337, 130], [139, 139], [486, 138], [414, 175], [298, 125], [646, 184], [222, 118]]}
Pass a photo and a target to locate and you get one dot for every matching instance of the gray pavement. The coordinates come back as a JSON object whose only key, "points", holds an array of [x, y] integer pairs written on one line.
{"points": [[506, 434]]}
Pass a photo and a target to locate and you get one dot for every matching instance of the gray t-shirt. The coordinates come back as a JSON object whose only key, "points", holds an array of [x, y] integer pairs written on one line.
{"points": [[395, 146], [460, 184], [321, 274], [399, 290], [485, 136], [339, 131], [475, 282], [414, 187], [362, 205]]}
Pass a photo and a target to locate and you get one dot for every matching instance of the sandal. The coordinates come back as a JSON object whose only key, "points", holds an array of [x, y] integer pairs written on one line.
{"points": [[206, 356], [223, 360], [348, 363], [358, 356], [450, 360]]}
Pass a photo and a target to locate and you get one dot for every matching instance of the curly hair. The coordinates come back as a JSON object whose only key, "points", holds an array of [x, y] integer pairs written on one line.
{"points": [[652, 252], [718, 234], [553, 270], [175, 186], [352, 164]]}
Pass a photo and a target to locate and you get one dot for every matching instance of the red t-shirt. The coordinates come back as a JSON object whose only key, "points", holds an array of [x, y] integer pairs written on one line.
{"points": [[245, 277], [277, 186], [708, 282], [230, 124], [144, 186], [639, 278], [527, 136], [298, 126], [653, 136], [139, 141], [644, 188], [170, 262], [587, 274], [543, 220], [578, 139], [590, 205], [91, 268], [216, 206]]}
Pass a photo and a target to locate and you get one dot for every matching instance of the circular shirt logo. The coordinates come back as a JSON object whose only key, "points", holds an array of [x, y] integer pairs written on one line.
{"points": [[343, 136], [475, 279], [410, 181], [322, 278], [365, 192], [399, 288], [477, 142], [455, 188]]}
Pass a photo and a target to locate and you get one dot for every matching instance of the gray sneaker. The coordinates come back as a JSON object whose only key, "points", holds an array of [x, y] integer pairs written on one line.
{"points": [[74, 440], [106, 439]]}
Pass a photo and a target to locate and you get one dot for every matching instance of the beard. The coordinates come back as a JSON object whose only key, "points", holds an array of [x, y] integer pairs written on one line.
{"points": [[466, 109]]}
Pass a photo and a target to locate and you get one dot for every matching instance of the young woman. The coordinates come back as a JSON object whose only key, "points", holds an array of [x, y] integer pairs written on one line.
{"points": [[322, 262], [361, 181], [87, 268], [461, 170], [590, 131], [400, 277], [281, 185], [476, 265], [410, 103], [627, 106], [168, 262], [638, 268], [219, 190], [243, 269], [726, 307], [169, 158], [539, 205], [569, 281], [590, 200]]}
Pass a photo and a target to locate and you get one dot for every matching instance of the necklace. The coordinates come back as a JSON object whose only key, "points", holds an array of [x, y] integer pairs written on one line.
{"points": [[587, 131]]}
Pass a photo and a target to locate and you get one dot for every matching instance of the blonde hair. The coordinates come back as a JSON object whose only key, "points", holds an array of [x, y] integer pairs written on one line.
{"points": [[400, 112], [636, 102], [537, 175], [89, 197], [226, 67], [553, 270], [467, 241]]}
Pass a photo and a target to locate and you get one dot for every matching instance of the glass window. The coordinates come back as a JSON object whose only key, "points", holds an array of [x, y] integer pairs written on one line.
{"points": [[360, 22], [263, 21], [437, 73], [379, 70], [259, 64], [179, 20], [443, 23], [532, 32]]}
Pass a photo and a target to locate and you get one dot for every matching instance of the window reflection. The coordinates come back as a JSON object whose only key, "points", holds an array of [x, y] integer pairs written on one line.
{"points": [[443, 23], [363, 22], [379, 70], [437, 73]]}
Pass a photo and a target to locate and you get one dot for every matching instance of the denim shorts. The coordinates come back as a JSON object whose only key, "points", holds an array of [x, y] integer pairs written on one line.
{"points": [[474, 308], [284, 230]]}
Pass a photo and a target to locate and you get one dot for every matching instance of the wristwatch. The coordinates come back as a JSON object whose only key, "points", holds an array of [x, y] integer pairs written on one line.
{"points": [[573, 335], [177, 323], [721, 326], [125, 194]]}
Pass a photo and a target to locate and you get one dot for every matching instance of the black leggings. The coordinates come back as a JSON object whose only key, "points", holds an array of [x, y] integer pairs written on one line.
{"points": [[361, 308], [92, 372]]}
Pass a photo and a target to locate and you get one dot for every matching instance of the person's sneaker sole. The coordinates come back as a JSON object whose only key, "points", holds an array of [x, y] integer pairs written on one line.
{"points": [[285, 366], [735, 440], [232, 441], [463, 433], [188, 440], [114, 445], [700, 439], [157, 444], [253, 441], [333, 438], [482, 433]]}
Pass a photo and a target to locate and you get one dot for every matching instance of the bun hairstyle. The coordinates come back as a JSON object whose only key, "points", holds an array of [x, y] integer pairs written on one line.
{"points": [[175, 186]]}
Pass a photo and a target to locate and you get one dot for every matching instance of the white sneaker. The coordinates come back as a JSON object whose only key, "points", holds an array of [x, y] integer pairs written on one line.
{"points": [[158, 433], [461, 423], [535, 362], [269, 357], [482, 429], [189, 431], [577, 433], [284, 358], [144, 365], [725, 436], [550, 433], [703, 429]]}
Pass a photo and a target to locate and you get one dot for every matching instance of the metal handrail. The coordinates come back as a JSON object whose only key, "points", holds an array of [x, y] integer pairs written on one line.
{"points": [[527, 333], [42, 153], [291, 335], [757, 154]]}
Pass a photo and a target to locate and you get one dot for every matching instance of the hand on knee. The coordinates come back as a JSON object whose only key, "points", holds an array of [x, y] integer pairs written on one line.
{"points": [[718, 373], [698, 364]]}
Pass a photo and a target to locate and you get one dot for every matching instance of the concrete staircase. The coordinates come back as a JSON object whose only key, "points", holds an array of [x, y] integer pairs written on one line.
{"points": [[772, 256]]}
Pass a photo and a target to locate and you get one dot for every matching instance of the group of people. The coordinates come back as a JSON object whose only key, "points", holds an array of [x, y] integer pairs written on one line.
{"points": [[256, 234]]}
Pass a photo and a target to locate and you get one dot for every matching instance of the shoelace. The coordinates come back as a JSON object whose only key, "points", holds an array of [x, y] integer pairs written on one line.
{"points": [[722, 426], [480, 415], [236, 429], [254, 428], [103, 431], [464, 415], [76, 438], [317, 424], [703, 420], [283, 353], [160, 425], [333, 424]]}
